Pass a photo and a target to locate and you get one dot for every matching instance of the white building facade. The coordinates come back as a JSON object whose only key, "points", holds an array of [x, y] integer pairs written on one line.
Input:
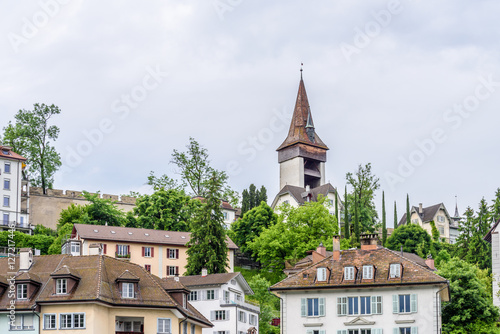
{"points": [[13, 191], [221, 299], [364, 291]]}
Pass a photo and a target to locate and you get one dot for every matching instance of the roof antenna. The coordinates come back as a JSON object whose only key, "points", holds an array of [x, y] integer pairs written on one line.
{"points": [[301, 64]]}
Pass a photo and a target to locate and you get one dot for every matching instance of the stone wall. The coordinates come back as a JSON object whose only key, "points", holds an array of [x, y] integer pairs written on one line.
{"points": [[46, 209]]}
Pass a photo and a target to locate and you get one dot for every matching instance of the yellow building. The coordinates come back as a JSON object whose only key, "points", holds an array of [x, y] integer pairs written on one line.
{"points": [[92, 294], [162, 253]]}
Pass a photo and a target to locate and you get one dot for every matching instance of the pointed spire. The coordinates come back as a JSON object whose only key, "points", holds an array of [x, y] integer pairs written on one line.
{"points": [[456, 208], [302, 121]]}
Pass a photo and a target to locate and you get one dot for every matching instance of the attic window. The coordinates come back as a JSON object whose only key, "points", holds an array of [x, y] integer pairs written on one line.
{"points": [[349, 273], [113, 232], [96, 231], [167, 236], [304, 275], [130, 233], [5, 152], [321, 274], [395, 270], [146, 234], [183, 237], [368, 272]]}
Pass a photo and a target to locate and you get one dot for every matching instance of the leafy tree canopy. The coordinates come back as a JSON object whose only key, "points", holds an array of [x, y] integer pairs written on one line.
{"points": [[31, 136], [471, 308], [252, 224], [252, 197], [22, 240], [297, 231], [413, 238], [62, 233]]}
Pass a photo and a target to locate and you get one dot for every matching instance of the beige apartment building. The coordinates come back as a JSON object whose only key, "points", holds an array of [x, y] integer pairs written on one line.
{"points": [[162, 253]]}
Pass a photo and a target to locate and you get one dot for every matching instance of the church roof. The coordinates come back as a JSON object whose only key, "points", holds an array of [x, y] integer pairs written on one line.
{"points": [[301, 118]]}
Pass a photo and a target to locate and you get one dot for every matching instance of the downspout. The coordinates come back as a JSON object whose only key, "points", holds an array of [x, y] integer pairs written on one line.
{"points": [[236, 318], [437, 307], [281, 310], [180, 323], [39, 319]]}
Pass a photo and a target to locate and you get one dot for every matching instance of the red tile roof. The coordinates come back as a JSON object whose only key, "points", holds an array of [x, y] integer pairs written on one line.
{"points": [[10, 154]]}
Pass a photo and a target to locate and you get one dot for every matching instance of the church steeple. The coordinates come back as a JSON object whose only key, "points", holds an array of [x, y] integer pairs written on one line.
{"points": [[302, 155]]}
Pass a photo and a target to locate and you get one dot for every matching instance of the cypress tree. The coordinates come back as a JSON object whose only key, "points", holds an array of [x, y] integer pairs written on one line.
{"points": [[384, 223], [408, 221], [395, 216], [337, 209], [356, 222], [262, 195], [347, 232]]}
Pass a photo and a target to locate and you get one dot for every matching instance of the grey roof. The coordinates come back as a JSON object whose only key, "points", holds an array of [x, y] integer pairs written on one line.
{"points": [[298, 192], [215, 279], [427, 214]]}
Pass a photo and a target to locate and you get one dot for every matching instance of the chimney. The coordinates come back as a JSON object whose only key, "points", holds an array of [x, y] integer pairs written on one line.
{"points": [[95, 249], [336, 248], [25, 258], [204, 272], [369, 241], [430, 262], [420, 208], [321, 249]]}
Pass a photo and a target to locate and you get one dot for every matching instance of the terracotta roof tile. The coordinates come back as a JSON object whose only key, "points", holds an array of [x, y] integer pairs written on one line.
{"points": [[212, 279], [10, 154]]}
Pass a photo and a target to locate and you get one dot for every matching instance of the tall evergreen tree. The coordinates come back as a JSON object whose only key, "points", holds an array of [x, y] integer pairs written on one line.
{"points": [[207, 247], [245, 202], [347, 232], [337, 208], [357, 233], [252, 198], [495, 208], [395, 216], [408, 220], [384, 222], [262, 195], [252, 194]]}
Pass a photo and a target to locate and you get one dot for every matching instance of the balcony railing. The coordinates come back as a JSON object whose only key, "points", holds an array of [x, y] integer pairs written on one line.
{"points": [[13, 223], [247, 304], [117, 332]]}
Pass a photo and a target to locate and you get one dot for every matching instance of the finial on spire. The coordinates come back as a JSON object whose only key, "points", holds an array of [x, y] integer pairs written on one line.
{"points": [[301, 64]]}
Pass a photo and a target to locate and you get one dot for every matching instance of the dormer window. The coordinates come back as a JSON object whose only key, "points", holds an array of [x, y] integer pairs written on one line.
{"points": [[22, 291], [321, 274], [128, 290], [395, 270], [368, 272], [349, 273], [61, 286]]}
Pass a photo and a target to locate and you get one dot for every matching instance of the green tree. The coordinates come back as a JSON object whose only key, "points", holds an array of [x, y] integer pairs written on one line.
{"points": [[357, 228], [62, 233], [168, 210], [252, 197], [413, 238], [40, 229], [297, 231], [395, 216], [347, 231], [408, 218], [267, 303], [262, 195], [102, 211], [435, 232], [31, 137], [73, 214], [471, 308], [384, 223], [207, 245], [163, 182], [364, 184], [495, 207], [252, 224]]}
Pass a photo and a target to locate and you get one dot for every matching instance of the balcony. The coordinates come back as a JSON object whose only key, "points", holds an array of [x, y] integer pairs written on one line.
{"points": [[248, 304], [14, 224], [129, 325]]}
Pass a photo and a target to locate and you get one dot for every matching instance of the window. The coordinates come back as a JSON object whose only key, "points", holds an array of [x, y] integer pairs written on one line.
{"points": [[193, 328], [127, 290], [22, 291], [415, 221], [210, 294], [163, 326], [172, 270], [122, 250], [226, 297], [238, 297], [147, 252], [224, 214], [61, 286], [341, 305], [252, 320], [404, 303], [193, 295], [406, 330], [219, 315], [49, 321], [242, 316], [147, 267], [22, 321], [6, 219], [360, 331], [368, 272], [441, 230], [440, 219], [365, 305], [72, 320], [6, 168], [79, 320], [376, 304], [321, 274], [75, 248], [315, 331], [6, 201], [313, 307], [395, 270], [172, 253], [349, 273], [6, 184], [353, 305]]}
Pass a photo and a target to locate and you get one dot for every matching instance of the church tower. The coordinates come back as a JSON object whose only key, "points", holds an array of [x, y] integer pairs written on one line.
{"points": [[302, 155]]}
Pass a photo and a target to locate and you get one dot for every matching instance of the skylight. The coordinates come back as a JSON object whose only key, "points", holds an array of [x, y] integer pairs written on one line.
{"points": [[146, 234], [96, 231], [113, 232], [167, 236]]}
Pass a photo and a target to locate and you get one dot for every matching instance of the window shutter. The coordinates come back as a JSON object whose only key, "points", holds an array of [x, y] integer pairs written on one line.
{"points": [[414, 330], [152, 252], [105, 248], [177, 270], [321, 307], [168, 253], [117, 249], [143, 251], [309, 331], [413, 305], [395, 304], [212, 316], [128, 249], [395, 331], [176, 253], [322, 331], [303, 310], [216, 294], [227, 315]]}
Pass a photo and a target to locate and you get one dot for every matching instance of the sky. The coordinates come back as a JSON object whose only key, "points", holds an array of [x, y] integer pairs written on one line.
{"points": [[411, 87]]}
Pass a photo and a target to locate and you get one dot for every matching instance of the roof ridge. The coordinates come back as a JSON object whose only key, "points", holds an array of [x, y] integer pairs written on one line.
{"points": [[99, 277]]}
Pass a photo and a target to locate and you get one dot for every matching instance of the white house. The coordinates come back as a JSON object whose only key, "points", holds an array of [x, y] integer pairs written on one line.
{"points": [[13, 190], [221, 299], [371, 290], [494, 238]]}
